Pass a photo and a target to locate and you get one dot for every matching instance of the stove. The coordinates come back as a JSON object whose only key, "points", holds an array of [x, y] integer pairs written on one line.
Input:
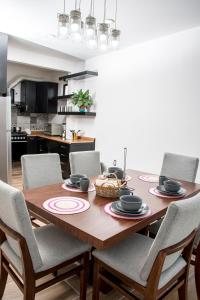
{"points": [[19, 136]]}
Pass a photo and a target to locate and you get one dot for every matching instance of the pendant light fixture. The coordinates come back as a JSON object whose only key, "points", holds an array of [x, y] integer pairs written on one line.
{"points": [[63, 24], [103, 30], [115, 33], [76, 23], [102, 35], [90, 28]]}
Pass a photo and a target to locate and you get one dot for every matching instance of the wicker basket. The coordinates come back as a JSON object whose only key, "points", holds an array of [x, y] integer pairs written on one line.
{"points": [[108, 189]]}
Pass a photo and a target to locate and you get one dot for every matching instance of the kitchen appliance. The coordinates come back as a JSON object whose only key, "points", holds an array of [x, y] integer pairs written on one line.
{"points": [[5, 139], [19, 144], [54, 129]]}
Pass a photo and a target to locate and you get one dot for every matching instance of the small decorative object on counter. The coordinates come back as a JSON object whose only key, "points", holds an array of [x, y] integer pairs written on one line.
{"points": [[83, 100]]}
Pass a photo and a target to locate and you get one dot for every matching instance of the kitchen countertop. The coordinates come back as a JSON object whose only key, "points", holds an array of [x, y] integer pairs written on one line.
{"points": [[60, 140]]}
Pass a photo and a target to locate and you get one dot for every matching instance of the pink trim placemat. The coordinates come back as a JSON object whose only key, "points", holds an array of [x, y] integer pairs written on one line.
{"points": [[67, 188], [149, 178], [128, 178], [66, 205], [107, 209], [155, 192]]}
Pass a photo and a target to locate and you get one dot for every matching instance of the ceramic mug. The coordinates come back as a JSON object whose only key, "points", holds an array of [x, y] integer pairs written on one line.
{"points": [[84, 184], [125, 191]]}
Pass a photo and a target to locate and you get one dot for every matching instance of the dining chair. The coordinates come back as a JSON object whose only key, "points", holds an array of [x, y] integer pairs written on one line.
{"points": [[28, 255], [195, 261], [152, 267], [178, 167], [40, 170], [86, 162]]}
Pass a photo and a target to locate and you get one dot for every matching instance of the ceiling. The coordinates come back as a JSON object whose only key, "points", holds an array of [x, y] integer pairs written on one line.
{"points": [[139, 20]]}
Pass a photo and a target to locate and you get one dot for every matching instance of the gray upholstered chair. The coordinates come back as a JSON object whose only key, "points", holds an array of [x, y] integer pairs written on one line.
{"points": [[178, 167], [86, 162], [34, 254], [153, 266], [41, 169]]}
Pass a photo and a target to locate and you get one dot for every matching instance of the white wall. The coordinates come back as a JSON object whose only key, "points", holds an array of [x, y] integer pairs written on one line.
{"points": [[148, 100], [28, 53]]}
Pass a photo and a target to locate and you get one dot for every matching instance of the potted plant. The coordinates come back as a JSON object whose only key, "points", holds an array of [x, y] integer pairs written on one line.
{"points": [[82, 99]]}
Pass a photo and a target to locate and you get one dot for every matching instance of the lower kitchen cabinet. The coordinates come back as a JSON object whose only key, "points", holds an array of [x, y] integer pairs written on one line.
{"points": [[39, 145], [32, 145]]}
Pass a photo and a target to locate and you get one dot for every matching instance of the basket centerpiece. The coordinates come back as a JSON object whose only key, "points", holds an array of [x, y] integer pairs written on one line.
{"points": [[108, 187]]}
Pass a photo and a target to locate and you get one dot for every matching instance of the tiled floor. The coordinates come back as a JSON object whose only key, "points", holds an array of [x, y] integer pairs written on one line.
{"points": [[69, 289]]}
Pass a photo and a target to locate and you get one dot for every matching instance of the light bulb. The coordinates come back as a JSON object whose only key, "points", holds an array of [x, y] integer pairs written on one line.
{"points": [[63, 32], [90, 31], [75, 27], [115, 44], [102, 37]]}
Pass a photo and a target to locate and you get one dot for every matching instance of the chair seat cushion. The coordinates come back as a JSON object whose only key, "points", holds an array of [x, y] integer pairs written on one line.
{"points": [[55, 246], [129, 256]]}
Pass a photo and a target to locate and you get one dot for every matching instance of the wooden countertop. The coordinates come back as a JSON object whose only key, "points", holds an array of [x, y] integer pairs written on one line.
{"points": [[60, 140]]}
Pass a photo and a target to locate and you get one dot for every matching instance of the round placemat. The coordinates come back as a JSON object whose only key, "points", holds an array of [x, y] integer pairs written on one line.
{"points": [[70, 189], [149, 178], [66, 205], [107, 209], [155, 192], [128, 178]]}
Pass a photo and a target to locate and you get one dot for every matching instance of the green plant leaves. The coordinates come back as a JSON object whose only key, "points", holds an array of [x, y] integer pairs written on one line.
{"points": [[82, 98]]}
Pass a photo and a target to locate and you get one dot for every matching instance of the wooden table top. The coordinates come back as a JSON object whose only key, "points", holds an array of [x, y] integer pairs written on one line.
{"points": [[94, 225]]}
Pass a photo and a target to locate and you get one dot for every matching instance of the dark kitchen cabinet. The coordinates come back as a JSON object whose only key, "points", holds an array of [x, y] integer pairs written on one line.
{"points": [[32, 145], [3, 63], [28, 95], [46, 97], [42, 145]]}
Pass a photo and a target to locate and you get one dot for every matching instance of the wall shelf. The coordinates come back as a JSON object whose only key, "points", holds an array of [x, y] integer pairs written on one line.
{"points": [[64, 97], [79, 76], [78, 113]]}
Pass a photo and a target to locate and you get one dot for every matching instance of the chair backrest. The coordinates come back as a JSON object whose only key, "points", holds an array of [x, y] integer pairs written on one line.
{"points": [[180, 166], [14, 213], [181, 219], [41, 169], [85, 162]]}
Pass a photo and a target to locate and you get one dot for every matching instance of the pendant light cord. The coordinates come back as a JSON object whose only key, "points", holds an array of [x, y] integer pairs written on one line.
{"points": [[93, 8], [116, 7], [64, 6], [91, 4], [79, 5], [104, 17]]}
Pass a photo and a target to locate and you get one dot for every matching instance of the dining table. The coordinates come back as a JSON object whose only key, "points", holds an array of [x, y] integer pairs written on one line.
{"points": [[94, 225]]}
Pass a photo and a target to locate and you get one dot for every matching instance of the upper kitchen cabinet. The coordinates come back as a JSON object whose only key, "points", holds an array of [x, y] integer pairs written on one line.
{"points": [[46, 97], [28, 95]]}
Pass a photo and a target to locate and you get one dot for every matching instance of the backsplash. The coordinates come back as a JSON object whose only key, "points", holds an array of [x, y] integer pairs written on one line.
{"points": [[29, 121]]}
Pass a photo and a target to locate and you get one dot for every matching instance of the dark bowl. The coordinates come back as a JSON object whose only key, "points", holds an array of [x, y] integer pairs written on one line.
{"points": [[172, 185], [75, 178], [130, 202], [118, 171]]}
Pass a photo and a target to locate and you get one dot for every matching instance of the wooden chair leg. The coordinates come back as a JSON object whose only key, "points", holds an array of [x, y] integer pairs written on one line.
{"points": [[3, 278], [96, 281], [182, 291], [84, 277], [197, 273], [29, 289]]}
